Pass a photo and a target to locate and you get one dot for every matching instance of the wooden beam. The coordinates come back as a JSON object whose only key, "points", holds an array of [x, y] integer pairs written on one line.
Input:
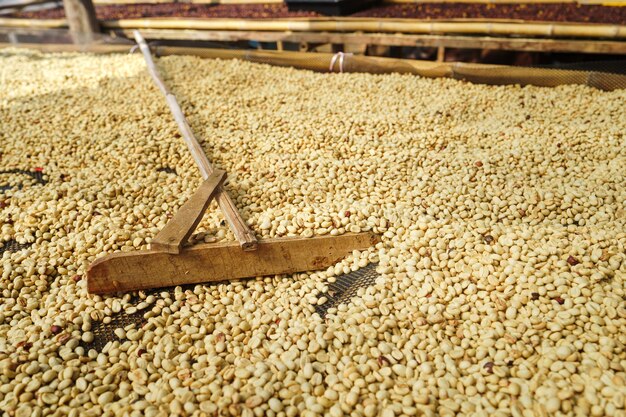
{"points": [[176, 232], [128, 271], [81, 18], [435, 41]]}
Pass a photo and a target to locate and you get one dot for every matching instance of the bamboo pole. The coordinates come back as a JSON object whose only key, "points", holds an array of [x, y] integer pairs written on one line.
{"points": [[32, 23], [587, 46], [242, 232], [597, 46], [477, 73], [409, 26], [384, 26]]}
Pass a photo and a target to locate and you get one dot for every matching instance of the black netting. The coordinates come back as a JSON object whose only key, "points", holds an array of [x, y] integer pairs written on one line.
{"points": [[13, 246], [617, 66], [167, 170], [538, 76], [341, 291], [36, 175], [105, 332], [346, 287]]}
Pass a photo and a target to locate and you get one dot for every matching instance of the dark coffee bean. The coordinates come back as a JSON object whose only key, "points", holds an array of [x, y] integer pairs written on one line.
{"points": [[572, 261]]}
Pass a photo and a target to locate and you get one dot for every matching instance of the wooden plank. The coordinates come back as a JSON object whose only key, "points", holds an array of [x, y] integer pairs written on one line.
{"points": [[176, 232], [242, 232], [81, 18], [128, 271], [448, 41]]}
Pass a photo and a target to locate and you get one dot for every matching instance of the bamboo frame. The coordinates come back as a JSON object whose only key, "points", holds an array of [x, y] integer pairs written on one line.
{"points": [[599, 46], [478, 73]]}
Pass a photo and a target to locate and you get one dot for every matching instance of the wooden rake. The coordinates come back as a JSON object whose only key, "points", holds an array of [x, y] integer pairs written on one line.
{"points": [[168, 263]]}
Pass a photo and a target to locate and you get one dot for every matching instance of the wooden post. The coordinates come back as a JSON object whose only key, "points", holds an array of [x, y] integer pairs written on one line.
{"points": [[441, 54], [81, 18]]}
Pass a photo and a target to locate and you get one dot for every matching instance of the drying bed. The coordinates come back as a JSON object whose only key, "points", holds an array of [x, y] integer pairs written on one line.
{"points": [[553, 12], [500, 279]]}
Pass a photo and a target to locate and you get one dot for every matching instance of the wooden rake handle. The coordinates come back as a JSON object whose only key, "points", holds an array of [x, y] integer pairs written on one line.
{"points": [[242, 232]]}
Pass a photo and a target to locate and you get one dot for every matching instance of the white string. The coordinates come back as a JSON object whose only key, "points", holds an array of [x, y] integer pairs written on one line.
{"points": [[341, 56]]}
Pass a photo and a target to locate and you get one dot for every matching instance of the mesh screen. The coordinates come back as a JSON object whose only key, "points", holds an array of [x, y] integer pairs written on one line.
{"points": [[104, 332], [340, 291], [36, 175], [168, 170], [616, 66], [543, 77], [12, 246], [607, 79], [346, 287]]}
